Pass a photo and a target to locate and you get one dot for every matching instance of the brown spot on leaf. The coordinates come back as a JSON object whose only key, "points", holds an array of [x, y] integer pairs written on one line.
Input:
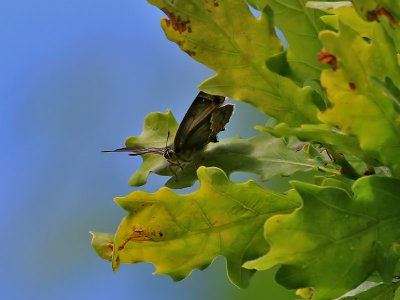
{"points": [[177, 23], [110, 246], [374, 15], [326, 57], [352, 85], [138, 235], [122, 246], [216, 4]]}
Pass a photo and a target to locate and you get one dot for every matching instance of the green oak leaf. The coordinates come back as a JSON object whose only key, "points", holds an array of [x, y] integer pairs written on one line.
{"points": [[336, 239], [331, 139], [339, 182], [263, 154], [102, 243], [301, 26], [321, 133], [361, 107], [348, 16], [376, 291], [179, 233], [237, 50], [393, 32], [157, 127]]}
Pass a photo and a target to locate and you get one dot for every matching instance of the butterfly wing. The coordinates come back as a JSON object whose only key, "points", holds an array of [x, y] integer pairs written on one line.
{"points": [[219, 118], [209, 128], [202, 122], [195, 141], [194, 131]]}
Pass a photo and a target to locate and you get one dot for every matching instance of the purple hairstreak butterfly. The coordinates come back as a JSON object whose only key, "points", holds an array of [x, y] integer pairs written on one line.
{"points": [[205, 118]]}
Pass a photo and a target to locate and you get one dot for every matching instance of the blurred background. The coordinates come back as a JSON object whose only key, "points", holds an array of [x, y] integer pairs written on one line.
{"points": [[77, 77]]}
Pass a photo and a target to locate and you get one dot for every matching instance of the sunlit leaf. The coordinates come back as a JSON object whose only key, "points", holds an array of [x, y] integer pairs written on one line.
{"points": [[157, 127], [102, 243], [335, 93], [179, 233], [360, 107], [238, 51]]}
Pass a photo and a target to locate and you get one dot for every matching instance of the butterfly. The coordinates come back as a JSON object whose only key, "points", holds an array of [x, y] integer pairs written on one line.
{"points": [[205, 118]]}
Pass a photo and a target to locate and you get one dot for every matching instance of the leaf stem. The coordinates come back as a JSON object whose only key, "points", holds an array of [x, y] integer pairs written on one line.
{"points": [[346, 169]]}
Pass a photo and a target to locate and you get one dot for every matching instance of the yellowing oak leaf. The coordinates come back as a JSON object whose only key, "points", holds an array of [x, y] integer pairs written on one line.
{"points": [[226, 37], [179, 233]]}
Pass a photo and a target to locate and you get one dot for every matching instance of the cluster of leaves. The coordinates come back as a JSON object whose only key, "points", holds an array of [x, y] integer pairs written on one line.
{"points": [[334, 92]]}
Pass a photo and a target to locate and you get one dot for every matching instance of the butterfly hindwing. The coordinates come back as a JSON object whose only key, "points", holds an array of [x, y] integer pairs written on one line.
{"points": [[208, 129], [195, 121], [219, 118], [196, 140]]}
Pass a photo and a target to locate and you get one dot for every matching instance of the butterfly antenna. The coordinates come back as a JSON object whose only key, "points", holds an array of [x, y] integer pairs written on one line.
{"points": [[166, 143]]}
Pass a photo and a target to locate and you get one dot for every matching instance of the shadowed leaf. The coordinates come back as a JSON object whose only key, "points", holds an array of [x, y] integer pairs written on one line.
{"points": [[262, 154], [373, 291], [336, 237]]}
